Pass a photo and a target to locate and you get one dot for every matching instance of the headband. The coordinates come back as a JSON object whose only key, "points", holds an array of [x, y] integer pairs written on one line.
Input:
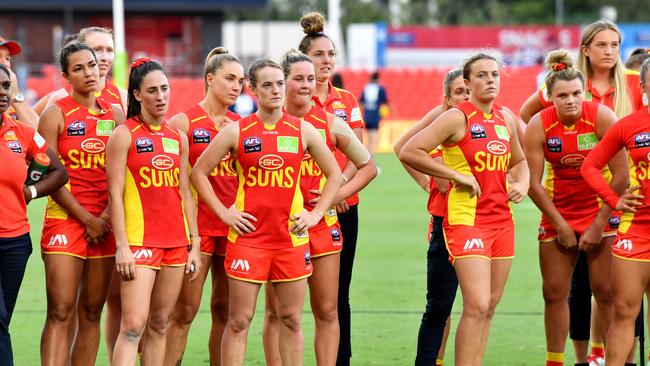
{"points": [[137, 63], [559, 66]]}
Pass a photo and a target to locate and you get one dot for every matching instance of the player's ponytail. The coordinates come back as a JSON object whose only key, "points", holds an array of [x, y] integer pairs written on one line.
{"points": [[215, 60]]}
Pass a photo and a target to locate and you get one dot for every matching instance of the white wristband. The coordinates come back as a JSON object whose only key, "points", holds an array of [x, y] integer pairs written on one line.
{"points": [[33, 191]]}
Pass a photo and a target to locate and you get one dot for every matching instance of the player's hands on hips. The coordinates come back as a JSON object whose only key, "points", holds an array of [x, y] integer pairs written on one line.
{"points": [[566, 237], [314, 201], [591, 238], [303, 221], [125, 262], [239, 221], [629, 201], [193, 265], [517, 191], [467, 182]]}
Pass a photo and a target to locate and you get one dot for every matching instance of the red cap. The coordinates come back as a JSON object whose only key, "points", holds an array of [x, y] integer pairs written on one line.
{"points": [[13, 46]]}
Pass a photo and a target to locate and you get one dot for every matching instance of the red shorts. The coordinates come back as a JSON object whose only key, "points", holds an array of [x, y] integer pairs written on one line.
{"points": [[632, 248], [67, 237], [469, 241], [325, 241], [547, 233], [261, 265], [214, 245], [150, 257]]}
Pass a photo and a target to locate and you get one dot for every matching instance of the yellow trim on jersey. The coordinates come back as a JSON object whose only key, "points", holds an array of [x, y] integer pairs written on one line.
{"points": [[316, 118], [101, 256], [249, 126], [133, 215], [297, 205], [589, 123], [111, 93], [486, 116], [471, 115], [461, 207], [326, 254], [473, 256], [631, 72], [239, 199], [136, 128], [72, 111], [290, 125], [198, 118], [551, 126], [627, 217], [53, 210], [549, 182]]}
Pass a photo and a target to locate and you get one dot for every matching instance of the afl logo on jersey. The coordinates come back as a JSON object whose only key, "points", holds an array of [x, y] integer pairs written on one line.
{"points": [[642, 139], [336, 235], [572, 160], [93, 146], [497, 147], [143, 144], [15, 146], [478, 131], [77, 128], [252, 144], [201, 136], [341, 114], [162, 162], [271, 162], [614, 222], [554, 144]]}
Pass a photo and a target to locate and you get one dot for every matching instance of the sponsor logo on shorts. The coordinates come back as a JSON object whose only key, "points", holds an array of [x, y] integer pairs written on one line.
{"points": [[624, 244], [271, 162], [572, 160], [307, 258], [240, 265], [15, 146], [252, 144], [10, 136], [77, 128], [93, 145], [554, 144], [497, 147], [473, 244], [477, 131], [143, 255], [541, 231], [201, 136], [642, 139], [162, 162], [143, 145], [336, 235], [614, 221], [58, 240]]}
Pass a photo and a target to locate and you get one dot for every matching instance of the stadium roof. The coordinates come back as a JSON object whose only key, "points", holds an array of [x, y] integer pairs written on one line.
{"points": [[131, 5]]}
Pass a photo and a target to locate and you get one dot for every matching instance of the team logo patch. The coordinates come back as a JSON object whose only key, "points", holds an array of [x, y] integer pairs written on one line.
{"points": [[93, 145], [497, 147], [475, 244], [355, 114], [541, 231], [58, 241], [143, 145], [162, 162], [614, 222], [252, 144], [587, 141], [554, 144], [624, 244], [336, 235], [240, 265], [170, 145], [502, 132], [477, 131], [341, 114], [77, 128], [10, 136], [288, 144], [201, 136], [104, 127], [642, 139], [15, 146], [307, 258], [572, 160], [331, 212], [271, 162]]}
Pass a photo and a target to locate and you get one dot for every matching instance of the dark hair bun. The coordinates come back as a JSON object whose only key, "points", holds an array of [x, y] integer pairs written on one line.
{"points": [[312, 23]]}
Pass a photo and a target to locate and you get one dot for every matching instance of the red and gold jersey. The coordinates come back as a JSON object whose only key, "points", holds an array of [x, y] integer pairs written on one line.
{"points": [[436, 203], [484, 152], [111, 95], [268, 165], [565, 149], [153, 209], [311, 177], [82, 150], [344, 105], [202, 129], [634, 93], [19, 143], [633, 133]]}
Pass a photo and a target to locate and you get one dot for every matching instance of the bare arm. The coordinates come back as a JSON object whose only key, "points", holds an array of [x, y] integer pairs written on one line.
{"points": [[181, 122], [194, 259], [531, 106], [518, 166]]}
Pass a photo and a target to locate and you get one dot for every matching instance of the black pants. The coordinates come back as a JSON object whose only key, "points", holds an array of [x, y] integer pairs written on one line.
{"points": [[349, 228], [441, 292], [14, 253]]}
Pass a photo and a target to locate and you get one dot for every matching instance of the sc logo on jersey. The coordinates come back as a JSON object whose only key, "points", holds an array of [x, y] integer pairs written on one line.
{"points": [[497, 147], [271, 162], [642, 139], [77, 128], [554, 144], [93, 145], [143, 144], [162, 162], [201, 136], [252, 144], [477, 131], [572, 160]]}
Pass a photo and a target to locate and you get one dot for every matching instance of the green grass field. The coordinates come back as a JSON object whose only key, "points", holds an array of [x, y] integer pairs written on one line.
{"points": [[387, 295]]}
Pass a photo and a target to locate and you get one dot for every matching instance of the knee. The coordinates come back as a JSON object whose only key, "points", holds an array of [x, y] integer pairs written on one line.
{"points": [[554, 293], [158, 323], [132, 328], [219, 309], [603, 293], [625, 310], [239, 323], [326, 313], [477, 309], [93, 313], [290, 321], [60, 312], [184, 314]]}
